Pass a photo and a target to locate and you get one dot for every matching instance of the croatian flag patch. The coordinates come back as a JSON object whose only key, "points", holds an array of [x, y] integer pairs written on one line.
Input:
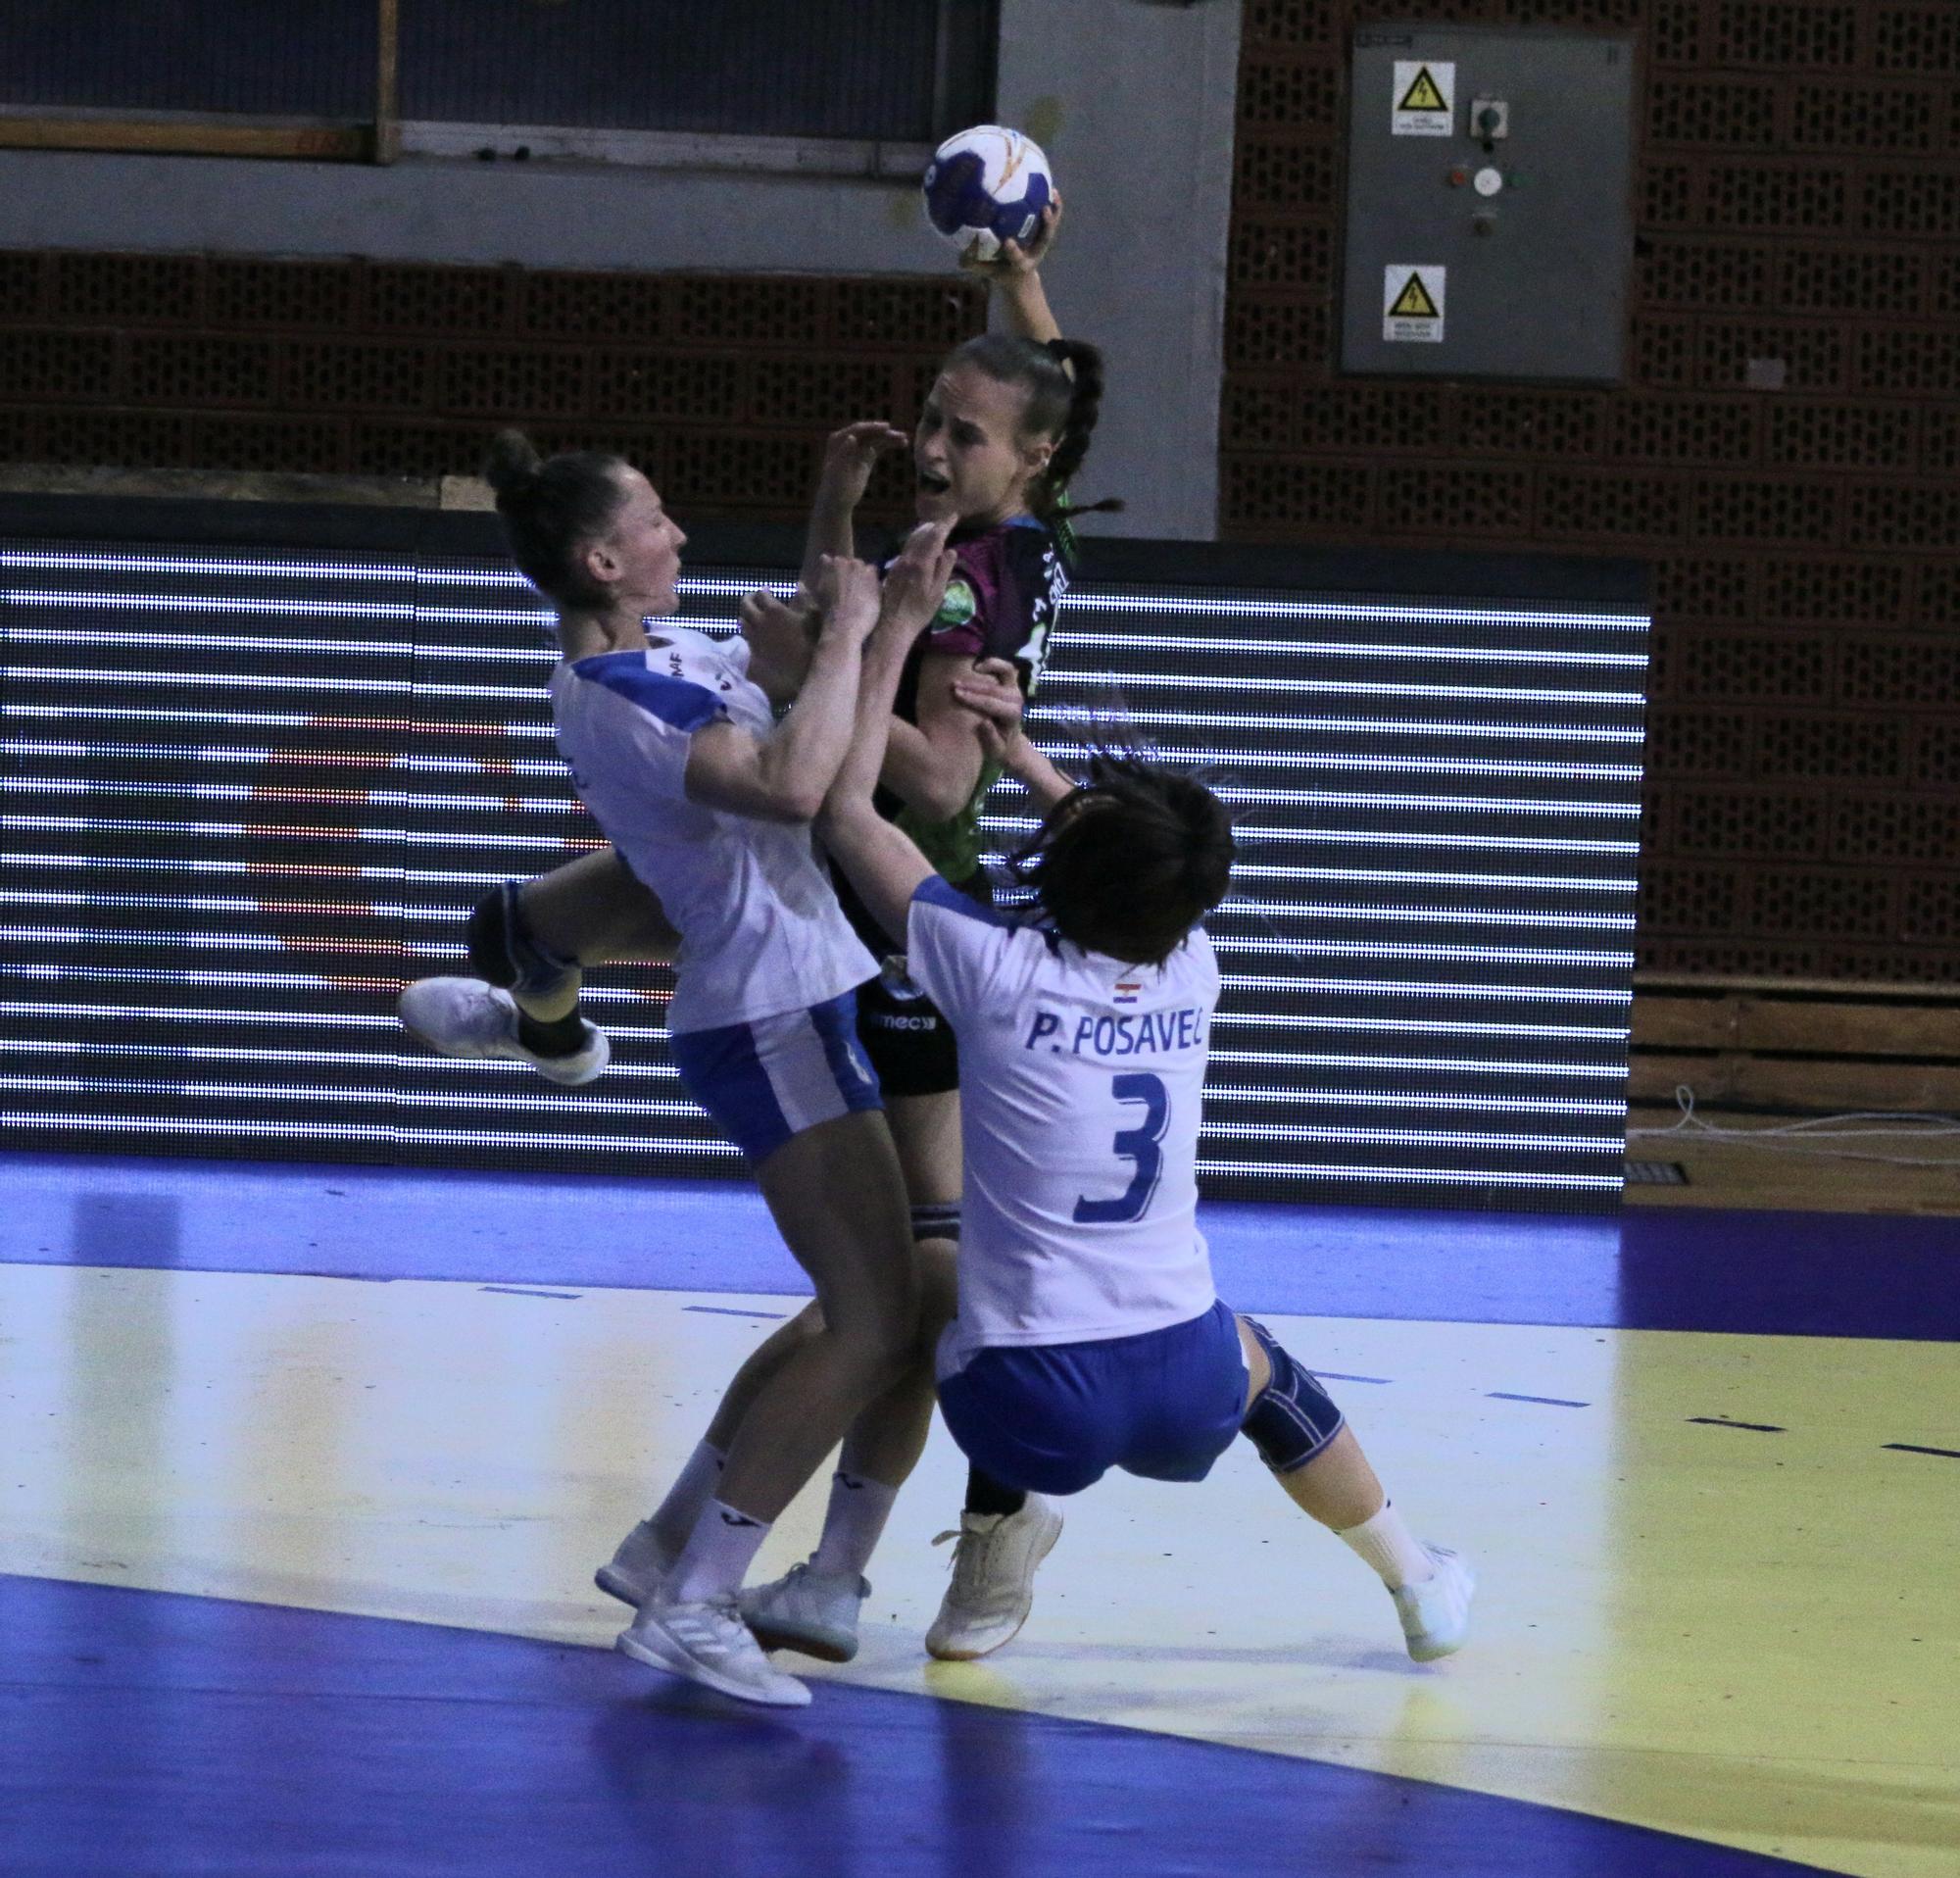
{"points": [[1127, 991]]}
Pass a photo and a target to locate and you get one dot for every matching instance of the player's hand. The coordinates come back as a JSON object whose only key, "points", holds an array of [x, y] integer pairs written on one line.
{"points": [[852, 454], [916, 582], [1014, 261], [763, 613], [781, 637], [846, 591], [991, 692]]}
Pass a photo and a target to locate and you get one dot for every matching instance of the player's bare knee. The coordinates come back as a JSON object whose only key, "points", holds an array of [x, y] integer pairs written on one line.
{"points": [[881, 1350], [879, 1325], [809, 1322]]}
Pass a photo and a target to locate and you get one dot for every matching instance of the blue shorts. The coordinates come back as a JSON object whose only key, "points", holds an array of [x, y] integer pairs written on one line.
{"points": [[767, 1080], [1056, 1417]]}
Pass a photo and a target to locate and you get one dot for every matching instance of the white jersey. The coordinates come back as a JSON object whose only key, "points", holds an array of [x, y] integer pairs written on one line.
{"points": [[761, 933], [1080, 1083]]}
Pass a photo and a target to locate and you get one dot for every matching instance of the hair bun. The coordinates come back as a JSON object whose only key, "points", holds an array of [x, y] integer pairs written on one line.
{"points": [[512, 462]]}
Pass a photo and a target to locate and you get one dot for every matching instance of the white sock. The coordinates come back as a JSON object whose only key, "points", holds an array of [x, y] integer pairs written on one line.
{"points": [[674, 1519], [852, 1523], [1388, 1545], [717, 1556]]}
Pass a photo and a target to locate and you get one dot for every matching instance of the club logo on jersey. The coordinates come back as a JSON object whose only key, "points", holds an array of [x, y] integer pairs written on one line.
{"points": [[957, 608], [1128, 991]]}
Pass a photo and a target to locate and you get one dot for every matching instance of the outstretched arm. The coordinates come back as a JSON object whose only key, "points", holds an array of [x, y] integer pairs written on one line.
{"points": [[1014, 275], [849, 458], [782, 777], [878, 859], [993, 694]]}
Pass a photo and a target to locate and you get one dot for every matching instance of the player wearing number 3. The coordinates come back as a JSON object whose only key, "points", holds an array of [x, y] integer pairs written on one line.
{"points": [[1089, 1334]]}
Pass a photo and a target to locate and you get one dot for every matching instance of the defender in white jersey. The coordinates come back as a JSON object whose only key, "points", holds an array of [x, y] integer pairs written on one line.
{"points": [[673, 745], [1080, 1127], [761, 930], [1087, 1333]]}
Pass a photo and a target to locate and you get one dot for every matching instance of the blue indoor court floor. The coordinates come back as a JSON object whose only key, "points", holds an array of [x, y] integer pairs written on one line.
{"points": [[305, 1471]]}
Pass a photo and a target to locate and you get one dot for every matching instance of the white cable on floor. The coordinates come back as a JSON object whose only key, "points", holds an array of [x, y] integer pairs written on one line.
{"points": [[1797, 1136]]}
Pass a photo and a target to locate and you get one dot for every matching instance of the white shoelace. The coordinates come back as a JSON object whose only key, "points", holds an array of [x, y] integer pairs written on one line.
{"points": [[972, 1555]]}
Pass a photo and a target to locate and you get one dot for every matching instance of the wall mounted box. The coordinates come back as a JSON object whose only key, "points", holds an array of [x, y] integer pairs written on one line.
{"points": [[1489, 221]]}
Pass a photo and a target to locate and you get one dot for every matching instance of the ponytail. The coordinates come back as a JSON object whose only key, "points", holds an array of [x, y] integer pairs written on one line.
{"points": [[512, 465], [551, 508], [1083, 362], [1048, 495]]}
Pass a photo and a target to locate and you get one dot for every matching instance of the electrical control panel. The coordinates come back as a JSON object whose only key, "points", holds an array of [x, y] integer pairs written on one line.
{"points": [[1490, 225]]}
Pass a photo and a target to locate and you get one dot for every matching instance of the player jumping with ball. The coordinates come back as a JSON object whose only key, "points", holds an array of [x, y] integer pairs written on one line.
{"points": [[1005, 426]]}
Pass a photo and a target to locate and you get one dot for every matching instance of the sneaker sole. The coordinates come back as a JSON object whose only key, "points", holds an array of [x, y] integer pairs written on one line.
{"points": [[430, 1043], [944, 1654], [828, 1647], [538, 1063], [563, 1080], [615, 1584], [687, 1668]]}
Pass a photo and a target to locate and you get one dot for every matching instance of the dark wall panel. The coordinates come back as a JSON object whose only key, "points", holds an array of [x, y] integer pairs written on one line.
{"points": [[856, 68], [723, 385], [1782, 449]]}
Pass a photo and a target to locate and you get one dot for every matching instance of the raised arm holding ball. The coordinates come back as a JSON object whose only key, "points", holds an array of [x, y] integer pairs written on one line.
{"points": [[1003, 429]]}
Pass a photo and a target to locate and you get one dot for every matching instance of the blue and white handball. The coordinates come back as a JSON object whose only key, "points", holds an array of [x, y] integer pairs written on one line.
{"points": [[985, 187]]}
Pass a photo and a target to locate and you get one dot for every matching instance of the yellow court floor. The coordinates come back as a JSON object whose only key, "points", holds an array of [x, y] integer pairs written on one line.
{"points": [[1716, 1598]]}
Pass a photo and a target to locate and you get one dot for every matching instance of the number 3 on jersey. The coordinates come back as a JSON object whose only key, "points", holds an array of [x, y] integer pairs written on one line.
{"points": [[1138, 1144]]}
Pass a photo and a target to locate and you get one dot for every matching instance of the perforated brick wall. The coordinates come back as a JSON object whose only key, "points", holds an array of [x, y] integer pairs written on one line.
{"points": [[1798, 198], [726, 384]]}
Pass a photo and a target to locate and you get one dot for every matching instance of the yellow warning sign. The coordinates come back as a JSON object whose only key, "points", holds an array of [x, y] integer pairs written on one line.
{"points": [[1414, 302], [1423, 98], [1423, 94]]}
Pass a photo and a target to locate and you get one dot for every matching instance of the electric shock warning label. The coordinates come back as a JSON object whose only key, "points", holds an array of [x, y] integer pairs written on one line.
{"points": [[1413, 302], [1424, 98]]}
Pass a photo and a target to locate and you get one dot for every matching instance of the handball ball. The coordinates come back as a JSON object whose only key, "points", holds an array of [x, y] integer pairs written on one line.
{"points": [[985, 187]]}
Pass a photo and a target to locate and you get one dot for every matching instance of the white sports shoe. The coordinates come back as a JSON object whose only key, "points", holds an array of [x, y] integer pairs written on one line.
{"points": [[637, 1569], [993, 1587], [1436, 1614], [709, 1643], [465, 1018], [806, 1610]]}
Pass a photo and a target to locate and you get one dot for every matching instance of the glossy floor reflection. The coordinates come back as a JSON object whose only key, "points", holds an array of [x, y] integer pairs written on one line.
{"points": [[1717, 1598], [332, 1744]]}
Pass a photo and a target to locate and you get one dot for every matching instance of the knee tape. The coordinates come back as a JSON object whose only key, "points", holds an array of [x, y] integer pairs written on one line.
{"points": [[1294, 1419], [937, 1221], [502, 952]]}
